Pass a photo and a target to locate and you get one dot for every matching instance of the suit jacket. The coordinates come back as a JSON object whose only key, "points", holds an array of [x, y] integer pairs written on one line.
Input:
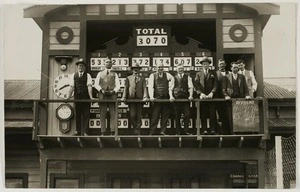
{"points": [[211, 85], [228, 87], [135, 90], [220, 76]]}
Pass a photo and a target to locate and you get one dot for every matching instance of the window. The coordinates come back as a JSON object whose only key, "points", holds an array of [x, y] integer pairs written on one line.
{"points": [[183, 180], [16, 180], [125, 180], [58, 180]]}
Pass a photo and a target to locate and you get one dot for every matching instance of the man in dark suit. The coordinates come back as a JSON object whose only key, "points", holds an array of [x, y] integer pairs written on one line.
{"points": [[183, 89], [221, 106], [206, 85], [81, 83], [135, 88], [234, 86]]}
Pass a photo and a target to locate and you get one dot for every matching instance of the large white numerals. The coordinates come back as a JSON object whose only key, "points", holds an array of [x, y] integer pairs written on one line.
{"points": [[186, 61], [153, 40], [142, 61], [166, 61], [97, 64]]}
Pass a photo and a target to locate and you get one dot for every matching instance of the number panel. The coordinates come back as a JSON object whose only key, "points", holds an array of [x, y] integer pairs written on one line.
{"points": [[153, 40]]}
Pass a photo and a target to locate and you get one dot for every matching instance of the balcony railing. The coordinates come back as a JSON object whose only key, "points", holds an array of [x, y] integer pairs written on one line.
{"points": [[253, 111]]}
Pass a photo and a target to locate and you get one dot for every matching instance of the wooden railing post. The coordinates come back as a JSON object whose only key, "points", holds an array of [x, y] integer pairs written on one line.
{"points": [[198, 118]]}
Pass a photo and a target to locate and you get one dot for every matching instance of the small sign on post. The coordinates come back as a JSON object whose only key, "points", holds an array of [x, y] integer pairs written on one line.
{"points": [[245, 116]]}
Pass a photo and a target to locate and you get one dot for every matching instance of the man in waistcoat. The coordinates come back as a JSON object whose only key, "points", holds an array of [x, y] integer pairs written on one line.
{"points": [[108, 84], [234, 86], [81, 83], [135, 88], [250, 79], [160, 86], [183, 89], [206, 87], [221, 106]]}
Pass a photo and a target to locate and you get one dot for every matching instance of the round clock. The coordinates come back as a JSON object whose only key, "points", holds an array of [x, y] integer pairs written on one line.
{"points": [[61, 85], [64, 112]]}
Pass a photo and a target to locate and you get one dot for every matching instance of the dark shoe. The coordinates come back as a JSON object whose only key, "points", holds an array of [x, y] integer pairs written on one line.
{"points": [[205, 133], [213, 133], [112, 133]]}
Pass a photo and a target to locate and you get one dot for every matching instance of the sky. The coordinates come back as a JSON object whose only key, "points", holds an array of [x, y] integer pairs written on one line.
{"points": [[23, 48]]}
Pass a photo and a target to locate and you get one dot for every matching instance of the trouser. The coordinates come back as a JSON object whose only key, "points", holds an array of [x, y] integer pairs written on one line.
{"points": [[82, 117], [135, 115], [208, 110], [223, 117], [158, 109], [182, 108], [112, 111]]}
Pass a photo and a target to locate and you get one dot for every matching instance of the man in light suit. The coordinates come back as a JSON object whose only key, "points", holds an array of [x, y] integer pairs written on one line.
{"points": [[234, 86], [250, 79], [108, 84], [206, 86], [135, 88]]}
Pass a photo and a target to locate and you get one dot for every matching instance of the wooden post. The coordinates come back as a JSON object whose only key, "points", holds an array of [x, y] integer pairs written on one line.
{"points": [[35, 120], [43, 170], [116, 118], [279, 171], [198, 118]]}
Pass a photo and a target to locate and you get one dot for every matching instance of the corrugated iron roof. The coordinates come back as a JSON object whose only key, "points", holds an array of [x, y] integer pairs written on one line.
{"points": [[276, 92], [284, 122], [18, 124], [21, 89]]}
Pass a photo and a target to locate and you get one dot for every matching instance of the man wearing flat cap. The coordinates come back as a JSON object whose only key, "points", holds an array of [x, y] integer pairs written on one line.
{"points": [[108, 84], [135, 88], [81, 83], [206, 87]]}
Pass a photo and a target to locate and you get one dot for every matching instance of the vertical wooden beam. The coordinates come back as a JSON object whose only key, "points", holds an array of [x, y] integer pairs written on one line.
{"points": [[80, 142], [44, 78], [99, 142], [35, 120], [219, 34], [200, 142], [40, 143], [120, 142], [241, 141], [220, 141], [179, 142], [278, 156], [198, 118], [116, 118], [159, 142], [140, 142], [43, 170], [83, 33], [258, 57], [61, 143], [266, 117]]}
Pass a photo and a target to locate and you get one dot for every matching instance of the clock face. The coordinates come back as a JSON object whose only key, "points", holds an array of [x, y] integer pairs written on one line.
{"points": [[61, 85], [64, 112]]}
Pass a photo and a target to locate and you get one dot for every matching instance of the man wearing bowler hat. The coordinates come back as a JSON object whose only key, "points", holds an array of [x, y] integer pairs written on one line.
{"points": [[135, 88], [206, 87], [108, 84], [81, 83]]}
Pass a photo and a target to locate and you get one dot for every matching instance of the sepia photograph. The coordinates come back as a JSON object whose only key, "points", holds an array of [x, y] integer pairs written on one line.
{"points": [[149, 94]]}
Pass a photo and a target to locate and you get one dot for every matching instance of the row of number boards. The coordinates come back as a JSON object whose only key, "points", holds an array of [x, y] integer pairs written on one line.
{"points": [[123, 123], [123, 63]]}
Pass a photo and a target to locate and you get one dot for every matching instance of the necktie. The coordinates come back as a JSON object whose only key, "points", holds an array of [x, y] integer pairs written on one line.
{"points": [[107, 72], [160, 74], [135, 78], [80, 74]]}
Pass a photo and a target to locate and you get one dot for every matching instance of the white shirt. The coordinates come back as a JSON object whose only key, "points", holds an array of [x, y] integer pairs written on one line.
{"points": [[151, 83], [88, 82], [103, 73], [253, 81], [234, 76]]}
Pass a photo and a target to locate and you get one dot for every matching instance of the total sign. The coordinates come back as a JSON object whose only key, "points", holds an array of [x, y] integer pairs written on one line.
{"points": [[151, 36]]}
